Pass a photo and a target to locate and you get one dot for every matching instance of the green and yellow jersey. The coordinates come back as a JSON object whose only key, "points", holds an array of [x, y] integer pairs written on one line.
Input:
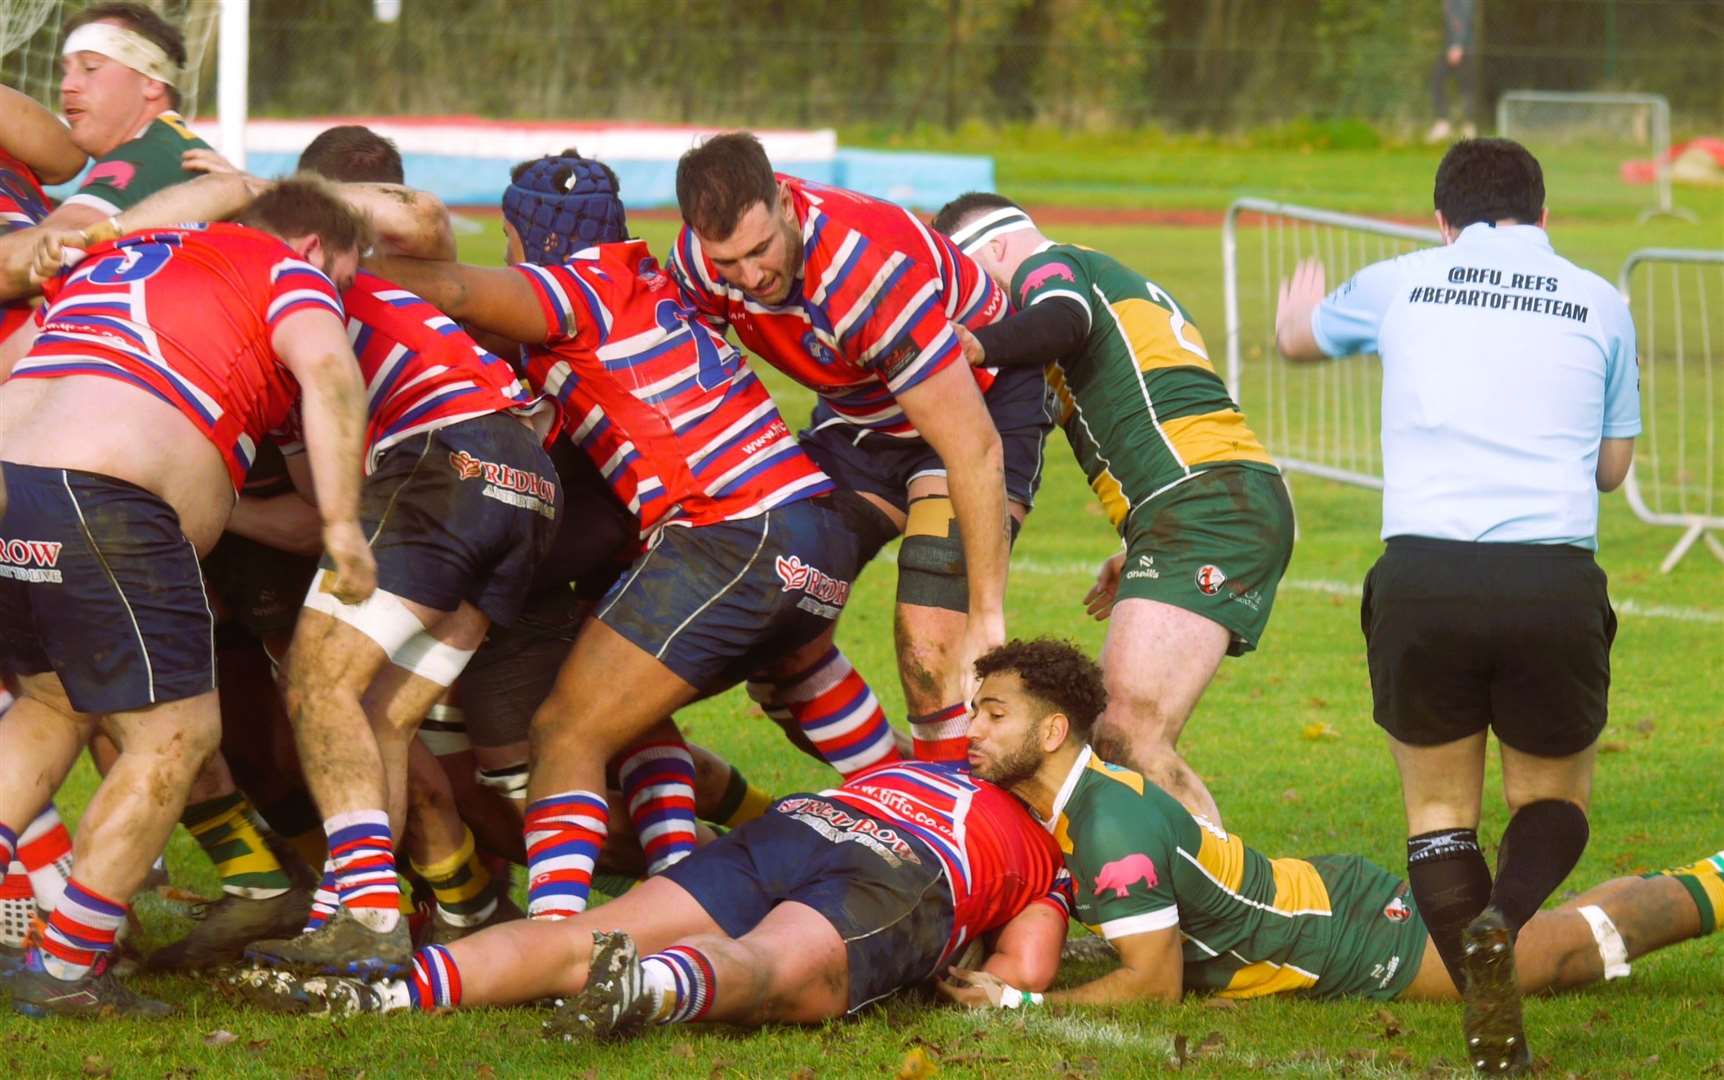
{"points": [[1141, 402], [1251, 925], [139, 167]]}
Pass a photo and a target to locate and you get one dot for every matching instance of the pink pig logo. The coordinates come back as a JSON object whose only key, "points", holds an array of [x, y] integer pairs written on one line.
{"points": [[116, 174], [1050, 272], [1121, 874]]}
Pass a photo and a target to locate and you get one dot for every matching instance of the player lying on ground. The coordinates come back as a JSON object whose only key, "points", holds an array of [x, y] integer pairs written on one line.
{"points": [[1206, 521], [750, 551], [112, 622], [857, 299], [1189, 906], [827, 903]]}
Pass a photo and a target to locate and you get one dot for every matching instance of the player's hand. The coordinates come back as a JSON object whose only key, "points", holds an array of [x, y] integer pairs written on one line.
{"points": [[355, 567], [1299, 294], [972, 989], [56, 249], [1099, 600], [974, 354], [1454, 55], [982, 634]]}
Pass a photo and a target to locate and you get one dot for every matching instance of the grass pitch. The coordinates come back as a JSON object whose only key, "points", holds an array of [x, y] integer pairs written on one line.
{"points": [[1287, 793]]}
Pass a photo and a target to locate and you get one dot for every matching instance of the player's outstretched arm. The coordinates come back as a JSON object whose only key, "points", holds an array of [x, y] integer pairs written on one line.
{"points": [[1150, 970], [496, 300], [36, 137], [947, 408], [284, 522], [313, 345]]}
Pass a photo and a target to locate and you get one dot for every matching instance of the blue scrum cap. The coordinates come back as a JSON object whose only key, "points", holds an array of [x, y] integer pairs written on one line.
{"points": [[562, 203]]}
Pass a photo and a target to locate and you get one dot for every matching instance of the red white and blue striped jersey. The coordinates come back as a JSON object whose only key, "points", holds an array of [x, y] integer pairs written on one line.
{"points": [[422, 372], [23, 203], [871, 315], [185, 314], [998, 859], [680, 428]]}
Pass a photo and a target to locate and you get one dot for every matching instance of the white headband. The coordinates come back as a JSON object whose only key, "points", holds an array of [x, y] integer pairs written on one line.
{"points": [[126, 46], [1007, 219]]}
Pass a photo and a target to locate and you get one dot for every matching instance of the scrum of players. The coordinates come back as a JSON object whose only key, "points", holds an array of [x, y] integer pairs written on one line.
{"points": [[383, 573]]}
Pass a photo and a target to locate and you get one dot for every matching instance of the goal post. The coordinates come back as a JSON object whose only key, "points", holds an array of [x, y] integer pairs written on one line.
{"points": [[1594, 133], [1325, 419]]}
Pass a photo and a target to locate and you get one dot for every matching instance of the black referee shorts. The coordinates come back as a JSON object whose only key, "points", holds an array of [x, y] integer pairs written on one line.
{"points": [[1461, 637]]}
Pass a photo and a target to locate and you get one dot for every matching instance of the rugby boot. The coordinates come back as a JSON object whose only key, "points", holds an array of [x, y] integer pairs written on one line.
{"points": [[444, 932], [229, 925], [1491, 1020], [341, 946], [314, 995], [614, 1004], [37, 994]]}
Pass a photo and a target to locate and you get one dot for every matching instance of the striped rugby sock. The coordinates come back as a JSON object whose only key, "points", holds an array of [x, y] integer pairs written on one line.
{"points": [[362, 860], [682, 982], [461, 884], [658, 787], [564, 835], [8, 844], [226, 829], [832, 705], [436, 981], [324, 900], [45, 849], [942, 735], [79, 933]]}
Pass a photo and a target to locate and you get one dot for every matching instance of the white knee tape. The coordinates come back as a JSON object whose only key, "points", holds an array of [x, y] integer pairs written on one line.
{"points": [[382, 616], [431, 659], [1611, 948], [444, 731]]}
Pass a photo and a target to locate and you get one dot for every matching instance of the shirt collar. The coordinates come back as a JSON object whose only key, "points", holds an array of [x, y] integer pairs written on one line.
{"points": [[1069, 786], [1043, 246], [1483, 232]]}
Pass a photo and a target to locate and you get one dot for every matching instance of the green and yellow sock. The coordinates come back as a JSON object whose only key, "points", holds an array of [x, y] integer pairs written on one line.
{"points": [[461, 884], [228, 833], [1704, 881], [742, 802]]}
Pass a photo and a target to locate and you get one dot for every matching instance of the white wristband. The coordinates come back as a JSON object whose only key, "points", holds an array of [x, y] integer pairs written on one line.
{"points": [[1013, 998]]}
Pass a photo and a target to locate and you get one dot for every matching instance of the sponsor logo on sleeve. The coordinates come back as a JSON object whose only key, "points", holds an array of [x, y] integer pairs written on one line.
{"points": [[1041, 275], [1120, 875], [35, 561], [116, 174]]}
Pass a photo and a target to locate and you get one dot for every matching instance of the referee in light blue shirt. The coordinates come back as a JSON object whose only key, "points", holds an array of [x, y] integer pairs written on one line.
{"points": [[1510, 400]]}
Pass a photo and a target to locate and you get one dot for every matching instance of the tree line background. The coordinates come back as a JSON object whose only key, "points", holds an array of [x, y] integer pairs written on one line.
{"points": [[1179, 65]]}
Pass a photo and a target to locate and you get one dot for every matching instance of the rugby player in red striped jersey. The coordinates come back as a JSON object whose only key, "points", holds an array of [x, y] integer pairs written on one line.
{"points": [[750, 552], [856, 299], [105, 616]]}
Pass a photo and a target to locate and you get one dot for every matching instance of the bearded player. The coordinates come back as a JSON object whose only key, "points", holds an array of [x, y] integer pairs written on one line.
{"points": [[856, 299], [1190, 906]]}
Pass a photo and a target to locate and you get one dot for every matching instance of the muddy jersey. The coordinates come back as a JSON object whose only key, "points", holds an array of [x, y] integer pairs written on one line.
{"points": [[871, 315], [681, 429], [996, 858], [185, 314]]}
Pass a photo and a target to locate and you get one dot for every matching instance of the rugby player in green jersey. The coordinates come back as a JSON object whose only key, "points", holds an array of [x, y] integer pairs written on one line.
{"points": [[1190, 906], [1206, 521]]}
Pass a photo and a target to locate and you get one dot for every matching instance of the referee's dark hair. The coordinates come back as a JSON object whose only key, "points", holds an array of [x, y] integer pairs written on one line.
{"points": [[1489, 180], [1055, 672]]}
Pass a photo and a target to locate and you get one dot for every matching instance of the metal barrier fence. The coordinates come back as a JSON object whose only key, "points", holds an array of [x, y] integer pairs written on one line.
{"points": [[1321, 419], [1677, 296]]}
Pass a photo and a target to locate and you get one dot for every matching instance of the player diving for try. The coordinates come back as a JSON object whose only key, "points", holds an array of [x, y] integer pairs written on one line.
{"points": [[1205, 517], [1190, 906]]}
